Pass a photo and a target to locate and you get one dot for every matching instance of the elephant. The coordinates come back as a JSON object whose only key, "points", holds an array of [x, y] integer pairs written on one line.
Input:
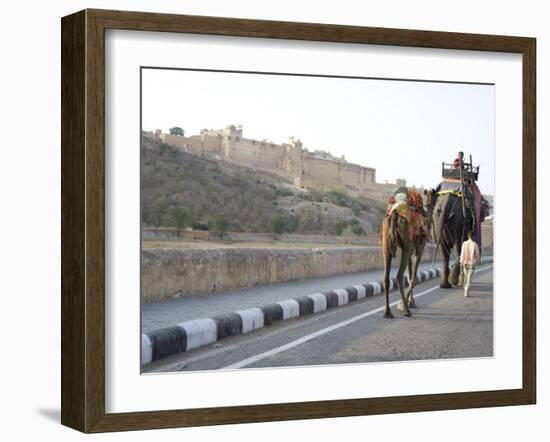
{"points": [[450, 227]]}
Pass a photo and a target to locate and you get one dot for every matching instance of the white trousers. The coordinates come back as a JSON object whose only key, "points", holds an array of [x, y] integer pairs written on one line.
{"points": [[467, 278]]}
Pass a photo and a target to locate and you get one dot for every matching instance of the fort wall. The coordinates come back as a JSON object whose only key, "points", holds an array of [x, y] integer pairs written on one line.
{"points": [[316, 170]]}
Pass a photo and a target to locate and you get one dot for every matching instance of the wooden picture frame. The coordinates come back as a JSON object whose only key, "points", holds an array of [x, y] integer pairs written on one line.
{"points": [[83, 220]]}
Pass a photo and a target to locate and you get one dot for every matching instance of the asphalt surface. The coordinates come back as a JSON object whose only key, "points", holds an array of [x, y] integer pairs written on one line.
{"points": [[160, 314], [445, 325]]}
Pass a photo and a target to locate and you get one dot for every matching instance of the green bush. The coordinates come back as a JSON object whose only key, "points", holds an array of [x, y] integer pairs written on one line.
{"points": [[221, 223], [357, 230], [180, 217], [284, 192], [200, 226], [164, 147], [338, 227], [277, 223], [281, 223]]}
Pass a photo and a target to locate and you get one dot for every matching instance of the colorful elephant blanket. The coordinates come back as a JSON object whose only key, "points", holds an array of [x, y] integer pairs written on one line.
{"points": [[410, 210]]}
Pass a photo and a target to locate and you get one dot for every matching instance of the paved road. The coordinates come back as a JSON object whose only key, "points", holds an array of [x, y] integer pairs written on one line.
{"points": [[445, 325], [156, 315]]}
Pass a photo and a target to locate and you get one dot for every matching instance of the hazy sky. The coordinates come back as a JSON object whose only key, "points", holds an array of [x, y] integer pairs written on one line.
{"points": [[401, 128]]}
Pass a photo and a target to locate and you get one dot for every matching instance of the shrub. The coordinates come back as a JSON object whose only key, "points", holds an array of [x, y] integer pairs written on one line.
{"points": [[221, 223], [277, 223], [284, 192], [280, 223], [164, 147], [180, 217], [338, 227], [199, 226], [291, 223], [357, 230]]}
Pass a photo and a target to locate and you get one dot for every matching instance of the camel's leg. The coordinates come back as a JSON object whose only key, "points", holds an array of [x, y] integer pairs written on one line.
{"points": [[405, 256], [411, 278], [387, 267], [410, 275], [444, 278], [412, 282]]}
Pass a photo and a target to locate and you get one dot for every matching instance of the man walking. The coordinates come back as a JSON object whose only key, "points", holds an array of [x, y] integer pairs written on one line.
{"points": [[469, 259]]}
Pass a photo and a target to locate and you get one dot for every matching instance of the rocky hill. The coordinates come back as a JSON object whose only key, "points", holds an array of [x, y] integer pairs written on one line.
{"points": [[198, 190]]}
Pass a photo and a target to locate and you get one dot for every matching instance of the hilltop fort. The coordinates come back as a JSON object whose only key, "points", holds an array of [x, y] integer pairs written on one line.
{"points": [[309, 170]]}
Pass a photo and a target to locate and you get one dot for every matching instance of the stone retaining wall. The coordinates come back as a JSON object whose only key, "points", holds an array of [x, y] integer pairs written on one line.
{"points": [[175, 273]]}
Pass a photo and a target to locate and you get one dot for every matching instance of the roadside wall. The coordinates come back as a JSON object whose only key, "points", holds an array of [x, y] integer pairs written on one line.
{"points": [[176, 273], [154, 233]]}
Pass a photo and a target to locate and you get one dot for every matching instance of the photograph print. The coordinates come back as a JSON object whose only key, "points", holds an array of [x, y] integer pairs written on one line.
{"points": [[302, 220]]}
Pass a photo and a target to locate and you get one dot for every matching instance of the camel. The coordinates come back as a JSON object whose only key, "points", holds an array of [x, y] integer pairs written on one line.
{"points": [[394, 233]]}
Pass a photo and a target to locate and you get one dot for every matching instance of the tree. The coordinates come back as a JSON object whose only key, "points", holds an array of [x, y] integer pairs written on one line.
{"points": [[311, 219], [147, 215], [340, 198], [277, 223], [291, 223], [220, 224], [156, 214], [180, 217], [338, 227], [177, 131], [357, 230]]}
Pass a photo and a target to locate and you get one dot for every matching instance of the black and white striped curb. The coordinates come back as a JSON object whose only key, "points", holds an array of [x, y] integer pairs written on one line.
{"points": [[158, 344]]}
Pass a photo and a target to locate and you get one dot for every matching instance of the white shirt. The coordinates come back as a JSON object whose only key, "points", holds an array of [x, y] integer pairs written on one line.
{"points": [[470, 253]]}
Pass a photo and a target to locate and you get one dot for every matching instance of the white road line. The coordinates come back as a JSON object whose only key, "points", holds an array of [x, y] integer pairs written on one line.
{"points": [[324, 331]]}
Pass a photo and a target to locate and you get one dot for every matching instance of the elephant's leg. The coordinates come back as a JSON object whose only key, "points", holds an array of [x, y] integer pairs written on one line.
{"points": [[454, 274], [444, 278], [387, 267], [460, 273], [455, 269], [403, 307]]}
